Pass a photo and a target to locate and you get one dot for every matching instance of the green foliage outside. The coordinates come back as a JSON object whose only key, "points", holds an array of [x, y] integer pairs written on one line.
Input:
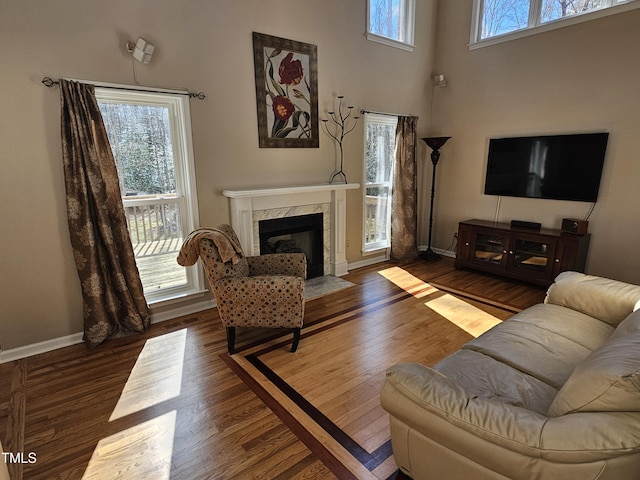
{"points": [[140, 138]]}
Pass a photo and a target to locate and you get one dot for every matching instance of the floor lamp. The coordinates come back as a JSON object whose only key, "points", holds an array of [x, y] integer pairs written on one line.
{"points": [[435, 144]]}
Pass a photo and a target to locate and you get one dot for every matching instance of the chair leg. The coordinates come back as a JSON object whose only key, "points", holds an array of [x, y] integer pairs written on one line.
{"points": [[231, 339], [296, 339]]}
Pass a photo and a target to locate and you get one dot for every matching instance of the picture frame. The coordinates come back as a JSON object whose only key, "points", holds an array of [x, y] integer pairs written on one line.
{"points": [[286, 75]]}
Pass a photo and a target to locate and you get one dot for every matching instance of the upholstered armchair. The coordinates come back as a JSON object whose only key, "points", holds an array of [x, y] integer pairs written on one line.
{"points": [[255, 291]]}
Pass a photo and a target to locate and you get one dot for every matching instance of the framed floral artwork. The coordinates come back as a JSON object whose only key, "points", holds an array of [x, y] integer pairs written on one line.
{"points": [[286, 92]]}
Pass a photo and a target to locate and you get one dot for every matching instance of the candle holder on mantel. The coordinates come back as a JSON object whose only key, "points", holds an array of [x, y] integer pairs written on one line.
{"points": [[340, 121], [435, 144]]}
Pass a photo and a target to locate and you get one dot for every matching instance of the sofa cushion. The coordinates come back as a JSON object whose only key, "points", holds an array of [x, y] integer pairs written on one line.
{"points": [[544, 341], [608, 380], [605, 299], [486, 377]]}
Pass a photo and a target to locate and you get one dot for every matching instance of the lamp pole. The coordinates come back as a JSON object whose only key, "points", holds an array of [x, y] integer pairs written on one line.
{"points": [[435, 144]]}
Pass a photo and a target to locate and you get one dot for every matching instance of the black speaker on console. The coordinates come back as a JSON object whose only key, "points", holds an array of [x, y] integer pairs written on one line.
{"points": [[575, 226], [523, 224]]}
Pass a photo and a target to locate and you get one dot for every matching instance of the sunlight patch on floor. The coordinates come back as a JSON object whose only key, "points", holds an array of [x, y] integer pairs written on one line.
{"points": [[156, 376], [467, 317], [141, 452], [409, 283], [471, 319], [144, 451]]}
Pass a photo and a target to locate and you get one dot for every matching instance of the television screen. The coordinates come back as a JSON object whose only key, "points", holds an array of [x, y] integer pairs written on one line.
{"points": [[559, 167]]}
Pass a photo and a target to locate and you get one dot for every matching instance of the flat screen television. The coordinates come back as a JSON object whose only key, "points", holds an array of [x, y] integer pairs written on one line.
{"points": [[558, 167]]}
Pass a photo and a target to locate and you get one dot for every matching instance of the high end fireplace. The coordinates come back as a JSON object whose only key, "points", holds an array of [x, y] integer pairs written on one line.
{"points": [[299, 234]]}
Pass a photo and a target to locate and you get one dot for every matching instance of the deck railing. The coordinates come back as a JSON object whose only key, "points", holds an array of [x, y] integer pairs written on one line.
{"points": [[375, 220], [154, 223]]}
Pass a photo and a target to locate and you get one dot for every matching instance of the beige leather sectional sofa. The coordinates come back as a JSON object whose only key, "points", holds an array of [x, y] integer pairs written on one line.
{"points": [[552, 393]]}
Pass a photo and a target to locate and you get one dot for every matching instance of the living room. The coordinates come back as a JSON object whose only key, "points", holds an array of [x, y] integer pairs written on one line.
{"points": [[581, 78]]}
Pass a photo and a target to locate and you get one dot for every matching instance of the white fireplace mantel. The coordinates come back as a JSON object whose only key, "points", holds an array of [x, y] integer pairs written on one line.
{"points": [[245, 202]]}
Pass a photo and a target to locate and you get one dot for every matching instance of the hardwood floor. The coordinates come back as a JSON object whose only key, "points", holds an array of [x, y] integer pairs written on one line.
{"points": [[166, 405]]}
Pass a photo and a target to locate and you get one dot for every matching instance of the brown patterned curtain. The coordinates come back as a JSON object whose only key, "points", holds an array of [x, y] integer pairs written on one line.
{"points": [[404, 204], [114, 304]]}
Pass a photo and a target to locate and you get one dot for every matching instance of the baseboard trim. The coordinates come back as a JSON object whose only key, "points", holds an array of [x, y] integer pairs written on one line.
{"points": [[73, 339], [368, 261], [40, 347], [439, 251], [172, 313]]}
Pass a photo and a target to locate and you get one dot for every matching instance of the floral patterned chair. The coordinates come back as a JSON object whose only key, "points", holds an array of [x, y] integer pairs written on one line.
{"points": [[255, 291]]}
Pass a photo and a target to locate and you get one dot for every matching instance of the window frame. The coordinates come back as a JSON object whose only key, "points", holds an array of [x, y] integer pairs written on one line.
{"points": [[372, 247], [407, 28], [535, 25], [184, 172]]}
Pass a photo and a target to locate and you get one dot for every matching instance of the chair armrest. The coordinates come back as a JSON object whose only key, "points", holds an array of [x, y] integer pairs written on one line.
{"points": [[293, 264], [269, 301]]}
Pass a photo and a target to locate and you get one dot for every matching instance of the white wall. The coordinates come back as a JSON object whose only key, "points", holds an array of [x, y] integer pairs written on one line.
{"points": [[201, 46], [580, 78]]}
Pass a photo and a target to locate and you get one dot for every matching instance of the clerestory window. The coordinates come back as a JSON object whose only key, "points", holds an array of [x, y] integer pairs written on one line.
{"points": [[391, 22], [499, 20]]}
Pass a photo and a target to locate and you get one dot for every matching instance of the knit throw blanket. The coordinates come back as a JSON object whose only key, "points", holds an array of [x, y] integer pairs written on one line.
{"points": [[228, 248]]}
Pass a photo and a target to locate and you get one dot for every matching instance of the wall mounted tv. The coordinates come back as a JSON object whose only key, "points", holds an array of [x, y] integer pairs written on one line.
{"points": [[559, 167]]}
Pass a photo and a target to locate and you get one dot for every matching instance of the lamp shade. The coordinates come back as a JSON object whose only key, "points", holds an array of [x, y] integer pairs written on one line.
{"points": [[435, 143]]}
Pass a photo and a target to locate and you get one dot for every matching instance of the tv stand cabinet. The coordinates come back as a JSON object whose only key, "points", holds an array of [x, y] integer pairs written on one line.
{"points": [[535, 256]]}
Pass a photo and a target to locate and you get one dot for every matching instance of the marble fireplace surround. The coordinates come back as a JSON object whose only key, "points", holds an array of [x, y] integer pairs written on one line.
{"points": [[249, 206]]}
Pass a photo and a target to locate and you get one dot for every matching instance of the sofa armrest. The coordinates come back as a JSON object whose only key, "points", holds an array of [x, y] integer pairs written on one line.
{"points": [[422, 398], [608, 300], [293, 264], [411, 390]]}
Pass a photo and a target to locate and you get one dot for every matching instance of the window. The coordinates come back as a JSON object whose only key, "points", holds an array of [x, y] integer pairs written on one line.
{"points": [[379, 153], [499, 20], [391, 22], [150, 136]]}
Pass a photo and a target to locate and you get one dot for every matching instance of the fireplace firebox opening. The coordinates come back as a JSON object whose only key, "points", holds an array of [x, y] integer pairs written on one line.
{"points": [[299, 234]]}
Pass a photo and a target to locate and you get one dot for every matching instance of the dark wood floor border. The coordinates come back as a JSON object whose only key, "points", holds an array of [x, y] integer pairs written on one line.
{"points": [[477, 298], [368, 460], [277, 332], [366, 308], [312, 443]]}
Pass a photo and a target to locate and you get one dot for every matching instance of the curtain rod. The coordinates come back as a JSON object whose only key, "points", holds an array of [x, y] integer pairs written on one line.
{"points": [[50, 82], [362, 110]]}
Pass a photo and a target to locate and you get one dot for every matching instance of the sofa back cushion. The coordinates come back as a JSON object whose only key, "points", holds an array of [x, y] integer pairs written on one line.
{"points": [[605, 299], [608, 380]]}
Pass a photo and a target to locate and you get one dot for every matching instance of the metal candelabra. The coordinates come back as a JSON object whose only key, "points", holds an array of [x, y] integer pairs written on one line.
{"points": [[339, 129]]}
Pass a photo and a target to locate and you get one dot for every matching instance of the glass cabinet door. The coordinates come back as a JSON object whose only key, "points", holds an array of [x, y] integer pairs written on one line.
{"points": [[489, 248], [535, 256]]}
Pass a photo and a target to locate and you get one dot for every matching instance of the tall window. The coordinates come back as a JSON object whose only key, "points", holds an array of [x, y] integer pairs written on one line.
{"points": [[391, 22], [495, 18], [379, 159], [150, 136]]}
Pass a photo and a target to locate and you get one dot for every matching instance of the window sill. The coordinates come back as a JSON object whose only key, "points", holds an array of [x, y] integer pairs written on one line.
{"points": [[390, 42], [375, 251]]}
